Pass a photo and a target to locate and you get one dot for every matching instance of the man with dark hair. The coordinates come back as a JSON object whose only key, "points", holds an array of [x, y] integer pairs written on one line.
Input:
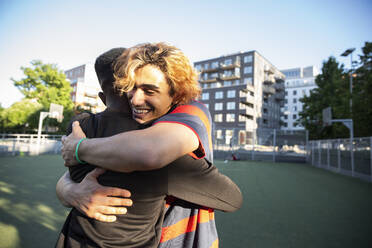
{"points": [[192, 180]]}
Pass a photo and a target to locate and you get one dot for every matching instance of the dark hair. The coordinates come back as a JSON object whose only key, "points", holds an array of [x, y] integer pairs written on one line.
{"points": [[104, 66]]}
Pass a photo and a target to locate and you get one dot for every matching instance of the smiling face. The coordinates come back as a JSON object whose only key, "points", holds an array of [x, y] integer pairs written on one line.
{"points": [[149, 98]]}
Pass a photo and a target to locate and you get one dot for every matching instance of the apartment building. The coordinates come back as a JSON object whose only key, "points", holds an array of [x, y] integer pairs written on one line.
{"points": [[244, 93], [85, 86], [298, 83]]}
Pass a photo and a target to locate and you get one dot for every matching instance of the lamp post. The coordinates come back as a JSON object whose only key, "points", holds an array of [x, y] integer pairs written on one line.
{"points": [[345, 54]]}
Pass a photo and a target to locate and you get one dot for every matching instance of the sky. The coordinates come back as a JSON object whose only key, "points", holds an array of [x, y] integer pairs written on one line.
{"points": [[70, 33]]}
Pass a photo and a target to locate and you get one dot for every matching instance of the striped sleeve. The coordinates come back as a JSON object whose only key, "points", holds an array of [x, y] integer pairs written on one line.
{"points": [[195, 116]]}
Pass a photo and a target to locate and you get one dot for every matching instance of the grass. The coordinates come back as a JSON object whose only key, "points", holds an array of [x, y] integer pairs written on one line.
{"points": [[285, 205]]}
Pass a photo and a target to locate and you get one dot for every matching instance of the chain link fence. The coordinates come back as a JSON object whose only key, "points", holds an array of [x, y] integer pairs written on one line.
{"points": [[345, 156], [261, 144]]}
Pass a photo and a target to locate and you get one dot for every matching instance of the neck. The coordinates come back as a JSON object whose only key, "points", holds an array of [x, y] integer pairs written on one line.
{"points": [[118, 104]]}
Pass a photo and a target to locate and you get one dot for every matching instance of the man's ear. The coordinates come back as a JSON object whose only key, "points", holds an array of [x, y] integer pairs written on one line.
{"points": [[102, 96]]}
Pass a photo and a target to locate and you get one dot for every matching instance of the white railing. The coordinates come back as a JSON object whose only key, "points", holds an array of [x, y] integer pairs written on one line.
{"points": [[27, 144]]}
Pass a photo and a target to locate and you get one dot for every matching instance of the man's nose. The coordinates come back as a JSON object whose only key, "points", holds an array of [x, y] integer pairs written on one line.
{"points": [[137, 97]]}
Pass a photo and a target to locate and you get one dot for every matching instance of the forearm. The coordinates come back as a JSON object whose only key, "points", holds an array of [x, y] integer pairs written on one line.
{"points": [[147, 149], [64, 189]]}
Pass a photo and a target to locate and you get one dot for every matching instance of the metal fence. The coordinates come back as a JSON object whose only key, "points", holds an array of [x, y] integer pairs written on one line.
{"points": [[28, 144], [262, 144], [345, 156]]}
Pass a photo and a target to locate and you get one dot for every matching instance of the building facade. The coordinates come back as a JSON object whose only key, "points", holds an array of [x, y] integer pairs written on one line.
{"points": [[85, 86], [244, 93], [299, 82]]}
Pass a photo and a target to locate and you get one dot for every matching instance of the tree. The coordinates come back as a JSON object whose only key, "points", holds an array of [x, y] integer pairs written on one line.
{"points": [[332, 91], [362, 93], [21, 115], [46, 84]]}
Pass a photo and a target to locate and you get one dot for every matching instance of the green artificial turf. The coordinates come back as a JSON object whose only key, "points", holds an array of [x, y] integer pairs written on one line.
{"points": [[285, 205]]}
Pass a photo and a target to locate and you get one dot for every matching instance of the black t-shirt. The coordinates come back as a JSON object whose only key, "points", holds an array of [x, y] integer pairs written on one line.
{"points": [[191, 180]]}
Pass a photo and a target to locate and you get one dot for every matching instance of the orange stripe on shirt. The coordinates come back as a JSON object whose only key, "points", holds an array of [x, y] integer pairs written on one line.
{"points": [[186, 225], [183, 226], [195, 111]]}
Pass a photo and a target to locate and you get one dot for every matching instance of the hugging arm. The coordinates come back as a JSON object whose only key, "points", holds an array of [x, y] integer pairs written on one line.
{"points": [[157, 145], [92, 199], [200, 182]]}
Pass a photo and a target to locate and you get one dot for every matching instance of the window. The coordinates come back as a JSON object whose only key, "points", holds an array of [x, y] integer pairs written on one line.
{"points": [[285, 117], [218, 94], [214, 65], [227, 73], [218, 117], [242, 106], [295, 108], [247, 58], [237, 82], [285, 101], [231, 93], [228, 61], [230, 117], [294, 117], [205, 96], [241, 118], [294, 100], [251, 93], [286, 93], [213, 75], [295, 92], [285, 124], [247, 69], [264, 121], [206, 66], [219, 134], [227, 83], [248, 80], [230, 105], [198, 67], [265, 110], [218, 106]]}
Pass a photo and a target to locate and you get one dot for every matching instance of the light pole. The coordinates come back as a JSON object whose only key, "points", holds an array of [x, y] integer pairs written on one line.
{"points": [[345, 54]]}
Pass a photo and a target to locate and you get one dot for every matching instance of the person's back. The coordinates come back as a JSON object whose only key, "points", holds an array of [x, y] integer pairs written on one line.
{"points": [[141, 226]]}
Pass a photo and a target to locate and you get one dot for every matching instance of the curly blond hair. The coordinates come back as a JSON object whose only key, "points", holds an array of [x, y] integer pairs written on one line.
{"points": [[179, 73]]}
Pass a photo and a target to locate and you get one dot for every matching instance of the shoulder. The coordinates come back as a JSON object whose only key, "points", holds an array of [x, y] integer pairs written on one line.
{"points": [[194, 111], [83, 119]]}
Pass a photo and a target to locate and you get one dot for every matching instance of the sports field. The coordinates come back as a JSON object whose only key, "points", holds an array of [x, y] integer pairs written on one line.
{"points": [[285, 205]]}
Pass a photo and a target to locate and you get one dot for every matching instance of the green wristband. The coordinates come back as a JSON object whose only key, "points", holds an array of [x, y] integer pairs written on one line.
{"points": [[76, 152]]}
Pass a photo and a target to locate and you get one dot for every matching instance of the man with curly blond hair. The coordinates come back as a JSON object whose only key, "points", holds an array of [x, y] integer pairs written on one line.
{"points": [[161, 86]]}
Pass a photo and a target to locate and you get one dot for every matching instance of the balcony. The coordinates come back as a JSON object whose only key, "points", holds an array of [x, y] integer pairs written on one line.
{"points": [[279, 87], [229, 77], [210, 80], [279, 96], [249, 102], [268, 89], [279, 80], [230, 66], [211, 69]]}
